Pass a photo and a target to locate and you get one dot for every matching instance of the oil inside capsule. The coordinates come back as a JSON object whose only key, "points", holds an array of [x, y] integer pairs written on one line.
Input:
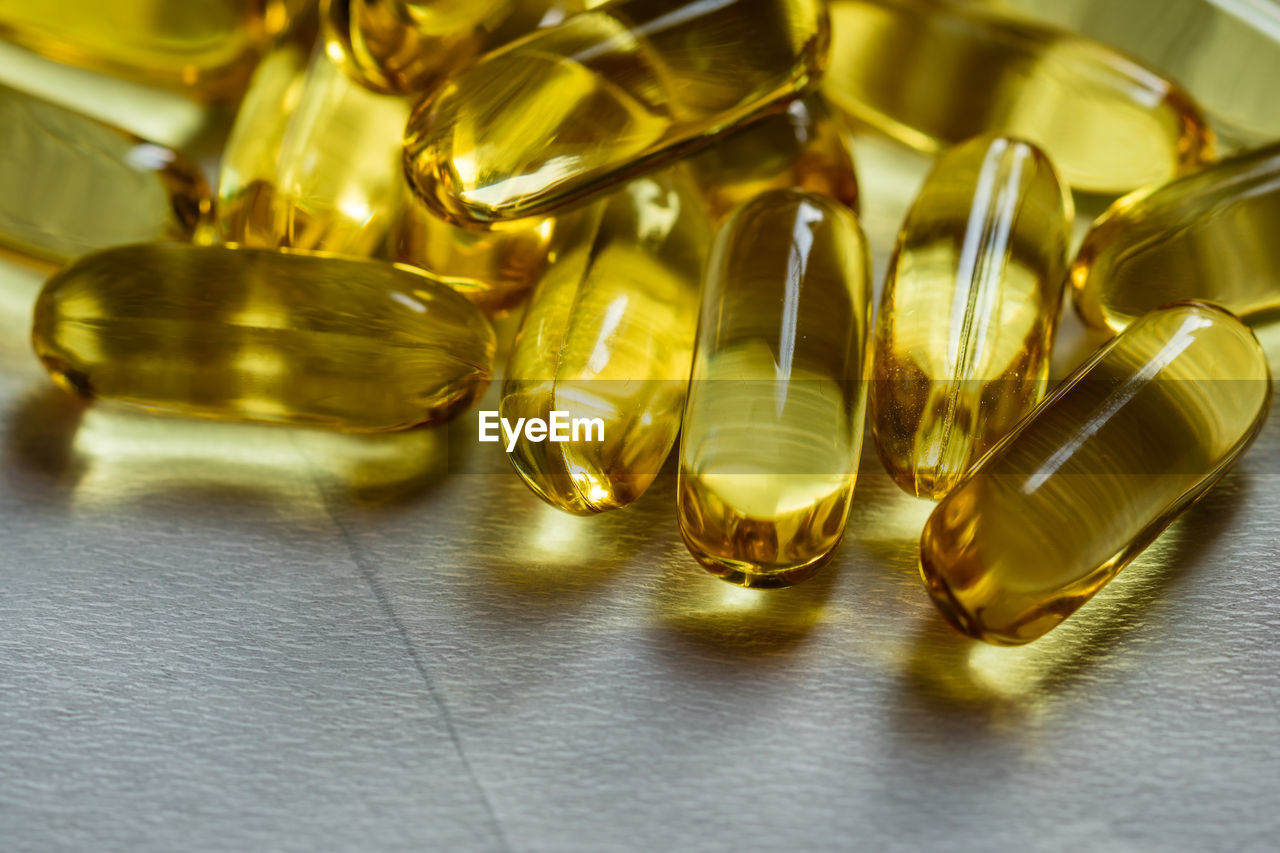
{"points": [[494, 269], [408, 46], [773, 424], [70, 184], [932, 75], [252, 334], [577, 108], [1226, 54], [312, 161], [1211, 235], [1094, 475], [968, 312], [206, 48], [805, 147], [608, 334]]}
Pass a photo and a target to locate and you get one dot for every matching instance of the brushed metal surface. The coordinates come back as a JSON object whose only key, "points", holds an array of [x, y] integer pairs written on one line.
{"points": [[245, 638]]}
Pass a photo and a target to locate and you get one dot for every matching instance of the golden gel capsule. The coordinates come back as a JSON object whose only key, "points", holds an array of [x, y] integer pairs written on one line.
{"points": [[1212, 235], [207, 48], [70, 184], [968, 311], [494, 269], [577, 108], [252, 334], [408, 46], [313, 161], [932, 75], [608, 337], [773, 425], [1105, 464], [1226, 54], [804, 148]]}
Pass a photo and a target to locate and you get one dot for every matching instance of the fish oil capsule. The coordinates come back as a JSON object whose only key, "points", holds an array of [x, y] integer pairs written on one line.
{"points": [[932, 75], [968, 312], [207, 48], [312, 161], [1210, 235], [253, 334], [577, 108], [1093, 476], [773, 424], [494, 269], [608, 337], [407, 46], [804, 148], [1226, 54], [70, 184]]}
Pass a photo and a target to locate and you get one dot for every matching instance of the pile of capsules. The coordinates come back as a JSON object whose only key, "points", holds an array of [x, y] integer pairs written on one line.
{"points": [[669, 185]]}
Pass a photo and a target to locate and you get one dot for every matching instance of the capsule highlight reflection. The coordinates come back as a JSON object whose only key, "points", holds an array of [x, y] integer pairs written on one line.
{"points": [[70, 184], [931, 75], [805, 148], [609, 334], [577, 108], [968, 311], [206, 48], [407, 46], [773, 425], [1094, 475], [312, 161], [250, 334], [1211, 235]]}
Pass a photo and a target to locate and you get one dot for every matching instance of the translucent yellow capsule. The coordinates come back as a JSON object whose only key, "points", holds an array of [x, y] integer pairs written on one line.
{"points": [[207, 48], [70, 184], [1105, 464], [494, 269], [933, 75], [313, 161], [968, 311], [1226, 54], [577, 108], [409, 46], [773, 425], [252, 334], [1212, 235], [804, 148], [608, 337]]}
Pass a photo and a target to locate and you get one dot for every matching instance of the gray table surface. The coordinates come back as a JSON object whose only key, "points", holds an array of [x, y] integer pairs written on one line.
{"points": [[217, 637]]}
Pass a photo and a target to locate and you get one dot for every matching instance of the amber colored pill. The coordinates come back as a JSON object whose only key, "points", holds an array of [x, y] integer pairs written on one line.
{"points": [[935, 74], [1094, 475], [70, 184], [773, 424], [254, 334], [573, 110], [968, 312], [1212, 235]]}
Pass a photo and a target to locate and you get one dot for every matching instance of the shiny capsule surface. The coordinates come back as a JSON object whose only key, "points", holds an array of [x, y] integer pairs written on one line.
{"points": [[577, 108], [932, 75], [409, 46], [1226, 54], [494, 269], [252, 334], [968, 311], [1212, 235], [1094, 475], [773, 425], [804, 148], [207, 48], [313, 160], [70, 184], [608, 334]]}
